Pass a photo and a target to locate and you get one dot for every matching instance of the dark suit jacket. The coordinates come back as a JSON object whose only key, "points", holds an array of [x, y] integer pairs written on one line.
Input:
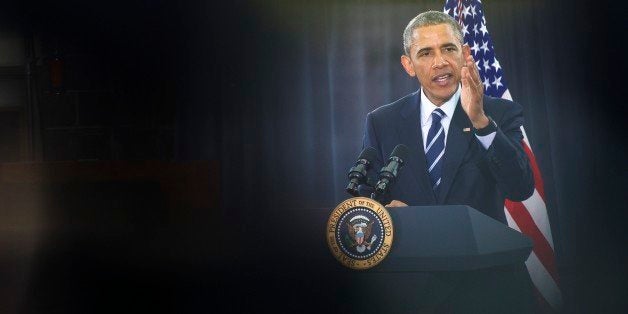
{"points": [[471, 174]]}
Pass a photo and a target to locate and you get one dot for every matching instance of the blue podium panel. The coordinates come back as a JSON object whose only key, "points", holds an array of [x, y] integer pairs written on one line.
{"points": [[450, 238], [444, 259], [427, 238]]}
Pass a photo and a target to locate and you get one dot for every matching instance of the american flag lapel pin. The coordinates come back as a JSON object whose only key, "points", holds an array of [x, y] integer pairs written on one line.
{"points": [[466, 130]]}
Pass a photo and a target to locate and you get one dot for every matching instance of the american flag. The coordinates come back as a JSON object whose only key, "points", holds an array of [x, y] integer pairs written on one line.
{"points": [[530, 216]]}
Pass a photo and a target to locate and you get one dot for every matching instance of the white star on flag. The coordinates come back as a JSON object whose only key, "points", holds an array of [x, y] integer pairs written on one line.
{"points": [[483, 29], [497, 82], [486, 83], [496, 65], [487, 65], [475, 48], [465, 31], [465, 11], [484, 46]]}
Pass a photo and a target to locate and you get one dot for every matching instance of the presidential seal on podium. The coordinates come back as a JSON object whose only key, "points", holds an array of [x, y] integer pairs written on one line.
{"points": [[360, 233]]}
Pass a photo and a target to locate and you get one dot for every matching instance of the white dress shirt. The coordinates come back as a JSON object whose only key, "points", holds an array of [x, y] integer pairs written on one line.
{"points": [[449, 107]]}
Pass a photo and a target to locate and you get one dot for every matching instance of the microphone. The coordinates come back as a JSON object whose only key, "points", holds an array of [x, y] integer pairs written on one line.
{"points": [[357, 173], [388, 174]]}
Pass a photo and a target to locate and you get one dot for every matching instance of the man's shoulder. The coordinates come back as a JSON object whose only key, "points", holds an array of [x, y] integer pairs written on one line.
{"points": [[498, 106], [398, 106]]}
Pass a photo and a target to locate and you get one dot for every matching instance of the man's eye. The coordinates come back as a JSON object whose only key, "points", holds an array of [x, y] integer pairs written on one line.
{"points": [[450, 49], [424, 54]]}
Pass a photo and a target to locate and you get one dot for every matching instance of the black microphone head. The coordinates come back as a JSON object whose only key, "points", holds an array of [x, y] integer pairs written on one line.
{"points": [[388, 174], [358, 174], [401, 151], [369, 154]]}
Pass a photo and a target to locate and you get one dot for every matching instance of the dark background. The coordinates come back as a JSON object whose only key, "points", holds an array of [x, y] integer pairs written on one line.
{"points": [[153, 175]]}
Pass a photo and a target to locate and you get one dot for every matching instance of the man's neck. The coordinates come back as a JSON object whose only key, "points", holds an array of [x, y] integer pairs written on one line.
{"points": [[439, 102]]}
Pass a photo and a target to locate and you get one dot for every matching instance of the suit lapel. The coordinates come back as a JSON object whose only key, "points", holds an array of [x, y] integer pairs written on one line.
{"points": [[410, 134], [455, 149]]}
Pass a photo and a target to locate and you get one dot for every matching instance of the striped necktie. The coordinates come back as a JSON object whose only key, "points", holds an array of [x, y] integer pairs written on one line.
{"points": [[435, 148]]}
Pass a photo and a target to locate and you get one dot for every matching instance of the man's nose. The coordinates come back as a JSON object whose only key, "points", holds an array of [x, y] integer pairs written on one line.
{"points": [[439, 61]]}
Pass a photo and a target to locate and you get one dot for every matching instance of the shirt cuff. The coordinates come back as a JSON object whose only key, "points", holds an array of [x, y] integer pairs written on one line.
{"points": [[486, 140]]}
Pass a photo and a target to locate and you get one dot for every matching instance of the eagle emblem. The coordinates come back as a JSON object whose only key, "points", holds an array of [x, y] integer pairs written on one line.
{"points": [[359, 231]]}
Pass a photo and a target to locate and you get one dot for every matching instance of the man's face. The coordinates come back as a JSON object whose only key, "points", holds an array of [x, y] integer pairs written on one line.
{"points": [[436, 58]]}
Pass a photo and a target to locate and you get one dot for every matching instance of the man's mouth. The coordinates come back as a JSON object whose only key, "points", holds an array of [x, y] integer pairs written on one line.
{"points": [[442, 79]]}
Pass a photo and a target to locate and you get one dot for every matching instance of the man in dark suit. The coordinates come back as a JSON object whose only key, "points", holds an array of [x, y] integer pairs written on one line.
{"points": [[465, 147]]}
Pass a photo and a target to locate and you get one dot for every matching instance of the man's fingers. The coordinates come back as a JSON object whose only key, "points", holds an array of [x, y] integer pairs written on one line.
{"points": [[474, 71], [464, 73], [396, 203], [467, 79]]}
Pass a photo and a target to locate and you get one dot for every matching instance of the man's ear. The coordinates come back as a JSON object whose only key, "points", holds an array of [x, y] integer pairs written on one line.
{"points": [[407, 65], [466, 51]]}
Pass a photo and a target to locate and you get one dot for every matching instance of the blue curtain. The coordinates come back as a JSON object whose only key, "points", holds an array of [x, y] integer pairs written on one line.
{"points": [[291, 84]]}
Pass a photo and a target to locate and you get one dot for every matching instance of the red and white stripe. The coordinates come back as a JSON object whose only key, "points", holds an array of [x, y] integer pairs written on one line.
{"points": [[530, 218]]}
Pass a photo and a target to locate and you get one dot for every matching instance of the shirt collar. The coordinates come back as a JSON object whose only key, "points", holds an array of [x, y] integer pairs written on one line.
{"points": [[448, 107]]}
